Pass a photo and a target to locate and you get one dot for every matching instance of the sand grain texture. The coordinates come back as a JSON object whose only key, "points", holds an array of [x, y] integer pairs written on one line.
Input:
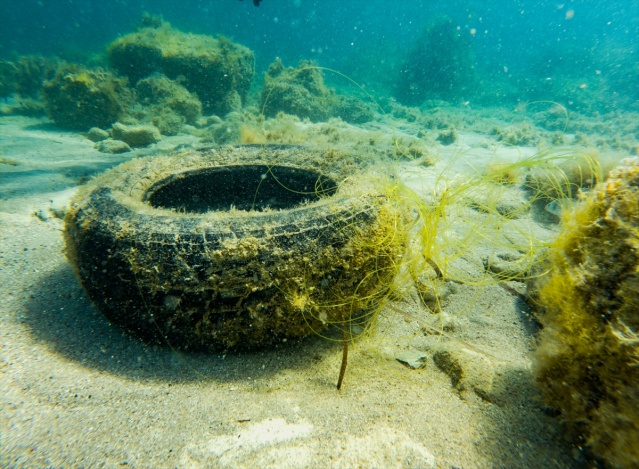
{"points": [[78, 392]]}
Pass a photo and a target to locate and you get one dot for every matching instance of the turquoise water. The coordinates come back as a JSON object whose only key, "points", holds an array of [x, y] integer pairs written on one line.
{"points": [[517, 47]]}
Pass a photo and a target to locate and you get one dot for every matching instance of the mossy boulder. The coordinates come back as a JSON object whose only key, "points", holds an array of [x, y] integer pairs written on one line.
{"points": [[79, 98], [217, 70], [588, 354], [353, 110], [136, 135], [299, 91], [167, 104], [163, 93], [447, 136], [167, 122], [96, 134], [112, 146], [517, 135]]}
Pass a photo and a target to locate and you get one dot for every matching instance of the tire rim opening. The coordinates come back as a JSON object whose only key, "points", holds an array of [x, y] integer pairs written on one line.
{"points": [[240, 187]]}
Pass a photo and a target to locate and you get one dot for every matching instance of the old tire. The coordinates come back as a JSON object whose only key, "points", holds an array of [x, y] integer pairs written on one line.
{"points": [[231, 248]]}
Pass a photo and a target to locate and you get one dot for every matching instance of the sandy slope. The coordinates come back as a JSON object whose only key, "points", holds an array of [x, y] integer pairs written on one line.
{"points": [[77, 392]]}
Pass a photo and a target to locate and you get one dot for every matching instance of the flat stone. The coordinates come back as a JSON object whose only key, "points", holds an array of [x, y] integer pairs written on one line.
{"points": [[412, 358]]}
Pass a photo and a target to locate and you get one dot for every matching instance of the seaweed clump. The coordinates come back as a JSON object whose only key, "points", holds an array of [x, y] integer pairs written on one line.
{"points": [[31, 71], [353, 110], [169, 105], [24, 77], [439, 66], [587, 362], [218, 71], [79, 98], [7, 78], [299, 91]]}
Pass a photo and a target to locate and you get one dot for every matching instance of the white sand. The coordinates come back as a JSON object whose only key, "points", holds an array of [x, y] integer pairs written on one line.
{"points": [[77, 392]]}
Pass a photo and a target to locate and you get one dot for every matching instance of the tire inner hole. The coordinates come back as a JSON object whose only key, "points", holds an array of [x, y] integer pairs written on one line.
{"points": [[241, 187]]}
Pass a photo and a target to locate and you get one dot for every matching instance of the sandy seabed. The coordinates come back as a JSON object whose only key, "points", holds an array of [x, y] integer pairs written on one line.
{"points": [[78, 392]]}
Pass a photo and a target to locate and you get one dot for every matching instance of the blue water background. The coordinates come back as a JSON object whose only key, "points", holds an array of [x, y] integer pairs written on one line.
{"points": [[364, 39]]}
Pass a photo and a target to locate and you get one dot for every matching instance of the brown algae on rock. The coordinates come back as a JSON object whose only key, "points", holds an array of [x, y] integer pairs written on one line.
{"points": [[78, 98], [588, 356], [218, 71]]}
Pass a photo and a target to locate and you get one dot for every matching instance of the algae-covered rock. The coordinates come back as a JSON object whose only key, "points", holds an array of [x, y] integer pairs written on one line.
{"points": [[168, 105], [79, 98], [568, 178], [237, 127], [112, 146], [587, 362], [227, 131], [96, 134], [447, 136], [413, 149], [353, 110], [136, 135], [299, 91], [164, 94], [218, 71], [167, 122], [519, 135]]}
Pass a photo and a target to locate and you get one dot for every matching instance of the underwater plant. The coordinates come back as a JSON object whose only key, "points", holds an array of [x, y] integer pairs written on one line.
{"points": [[299, 91], [587, 361], [470, 206], [31, 71], [167, 104], [439, 66], [7, 78], [217, 70], [302, 92], [79, 98]]}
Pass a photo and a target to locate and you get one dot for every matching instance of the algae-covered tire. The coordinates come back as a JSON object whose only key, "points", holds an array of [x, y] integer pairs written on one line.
{"points": [[232, 248]]}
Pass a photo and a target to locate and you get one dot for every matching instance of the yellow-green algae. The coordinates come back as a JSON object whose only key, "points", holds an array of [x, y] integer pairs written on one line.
{"points": [[587, 363], [217, 70]]}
